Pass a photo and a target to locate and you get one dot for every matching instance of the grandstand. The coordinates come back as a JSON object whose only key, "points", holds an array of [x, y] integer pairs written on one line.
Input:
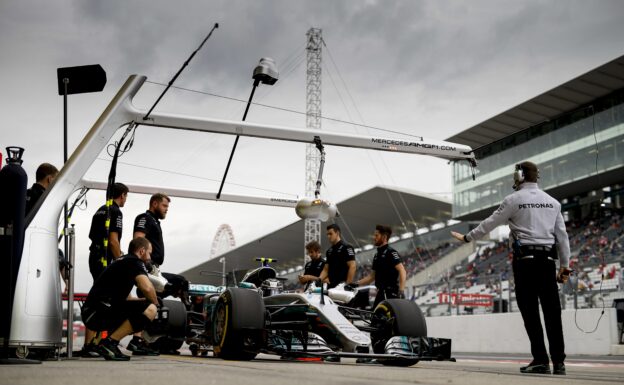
{"points": [[575, 133], [419, 221]]}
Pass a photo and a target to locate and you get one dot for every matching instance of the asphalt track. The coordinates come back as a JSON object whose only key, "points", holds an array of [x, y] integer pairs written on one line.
{"points": [[185, 369]]}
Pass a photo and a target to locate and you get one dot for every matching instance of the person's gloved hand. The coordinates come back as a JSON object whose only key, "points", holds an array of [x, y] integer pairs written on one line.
{"points": [[351, 286], [401, 295]]}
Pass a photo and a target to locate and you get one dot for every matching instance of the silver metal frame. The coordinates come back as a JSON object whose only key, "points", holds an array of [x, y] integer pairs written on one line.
{"points": [[203, 195], [37, 307]]}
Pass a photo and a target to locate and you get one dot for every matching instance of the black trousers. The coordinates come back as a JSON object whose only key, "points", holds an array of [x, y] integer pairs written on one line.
{"points": [[384, 293], [106, 315], [96, 267], [536, 283]]}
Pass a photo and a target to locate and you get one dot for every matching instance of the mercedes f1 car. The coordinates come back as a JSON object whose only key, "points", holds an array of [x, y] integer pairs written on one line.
{"points": [[257, 316]]}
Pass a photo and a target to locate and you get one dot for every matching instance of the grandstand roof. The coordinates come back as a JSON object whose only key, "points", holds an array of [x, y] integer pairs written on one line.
{"points": [[567, 97], [358, 217]]}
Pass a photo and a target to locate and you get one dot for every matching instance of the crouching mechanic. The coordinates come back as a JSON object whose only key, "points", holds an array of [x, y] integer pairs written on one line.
{"points": [[109, 307], [388, 271]]}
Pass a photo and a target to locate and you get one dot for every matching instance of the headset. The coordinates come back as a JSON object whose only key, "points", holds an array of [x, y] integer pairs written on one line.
{"points": [[518, 176]]}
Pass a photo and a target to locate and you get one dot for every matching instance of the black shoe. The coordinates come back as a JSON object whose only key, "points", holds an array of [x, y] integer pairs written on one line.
{"points": [[108, 349], [89, 351], [331, 359], [139, 347], [536, 368], [559, 368]]}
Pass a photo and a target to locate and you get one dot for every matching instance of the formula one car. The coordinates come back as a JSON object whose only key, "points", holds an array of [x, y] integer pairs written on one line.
{"points": [[256, 317]]}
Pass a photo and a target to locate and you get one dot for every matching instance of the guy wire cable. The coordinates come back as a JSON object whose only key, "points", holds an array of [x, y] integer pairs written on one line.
{"points": [[391, 200], [283, 109], [131, 128], [602, 274]]}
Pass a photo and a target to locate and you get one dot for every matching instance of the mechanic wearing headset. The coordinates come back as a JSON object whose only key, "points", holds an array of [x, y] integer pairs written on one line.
{"points": [[315, 265], [538, 236], [388, 271], [108, 306], [339, 259]]}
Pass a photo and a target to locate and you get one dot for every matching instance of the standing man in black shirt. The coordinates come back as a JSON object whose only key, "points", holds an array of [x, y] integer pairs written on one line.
{"points": [[104, 249], [108, 307], [315, 265], [339, 259], [45, 175], [388, 271], [107, 247], [148, 225]]}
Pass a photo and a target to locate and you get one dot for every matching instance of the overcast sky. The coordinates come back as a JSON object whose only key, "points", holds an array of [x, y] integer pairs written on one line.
{"points": [[430, 68]]}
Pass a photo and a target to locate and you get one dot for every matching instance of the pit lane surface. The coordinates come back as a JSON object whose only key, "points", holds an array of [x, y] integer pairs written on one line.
{"points": [[184, 369]]}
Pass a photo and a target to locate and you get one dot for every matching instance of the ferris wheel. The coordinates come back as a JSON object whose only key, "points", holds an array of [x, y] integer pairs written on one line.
{"points": [[223, 241]]}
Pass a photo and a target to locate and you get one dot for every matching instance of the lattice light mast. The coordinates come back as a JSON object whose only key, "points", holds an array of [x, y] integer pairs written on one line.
{"points": [[313, 121]]}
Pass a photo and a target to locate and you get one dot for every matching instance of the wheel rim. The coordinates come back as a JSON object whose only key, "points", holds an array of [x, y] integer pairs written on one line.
{"points": [[220, 324]]}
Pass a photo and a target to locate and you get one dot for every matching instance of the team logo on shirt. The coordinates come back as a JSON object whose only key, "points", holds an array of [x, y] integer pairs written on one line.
{"points": [[536, 206]]}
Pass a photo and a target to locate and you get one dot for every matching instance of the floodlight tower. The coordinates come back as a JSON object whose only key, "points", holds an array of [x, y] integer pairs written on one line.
{"points": [[313, 121]]}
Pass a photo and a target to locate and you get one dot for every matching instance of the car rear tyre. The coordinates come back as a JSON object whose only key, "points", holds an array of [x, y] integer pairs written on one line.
{"points": [[175, 328]]}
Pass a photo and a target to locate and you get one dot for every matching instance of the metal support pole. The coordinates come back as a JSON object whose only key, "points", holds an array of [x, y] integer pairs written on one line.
{"points": [[70, 291], [450, 310], [457, 300], [65, 224], [227, 168], [223, 279], [319, 180], [500, 293]]}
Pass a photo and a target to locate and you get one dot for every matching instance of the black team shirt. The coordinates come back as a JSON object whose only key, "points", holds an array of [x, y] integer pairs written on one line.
{"points": [[147, 223], [116, 282], [337, 257], [97, 233], [33, 195], [384, 263], [314, 268]]}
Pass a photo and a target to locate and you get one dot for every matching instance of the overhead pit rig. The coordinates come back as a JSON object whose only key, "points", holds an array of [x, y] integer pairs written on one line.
{"points": [[37, 309]]}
